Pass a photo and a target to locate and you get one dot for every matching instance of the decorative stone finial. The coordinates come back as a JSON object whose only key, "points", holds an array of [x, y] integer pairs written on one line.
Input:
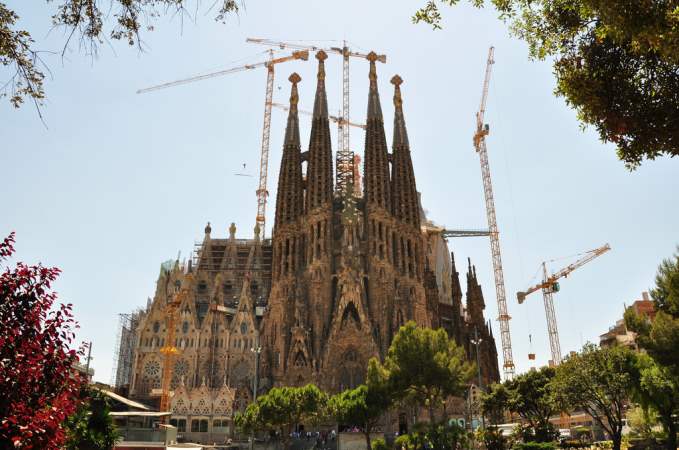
{"points": [[372, 57], [397, 81], [294, 96], [295, 78], [208, 228], [232, 231], [321, 56]]}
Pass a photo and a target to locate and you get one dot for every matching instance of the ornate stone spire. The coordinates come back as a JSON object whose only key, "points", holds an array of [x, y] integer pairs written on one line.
{"points": [[404, 191], [475, 302], [455, 286], [289, 199], [400, 133], [319, 169], [376, 161]]}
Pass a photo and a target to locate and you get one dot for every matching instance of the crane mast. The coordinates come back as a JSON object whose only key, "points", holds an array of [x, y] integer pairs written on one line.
{"points": [[549, 286], [550, 314], [345, 157], [262, 192], [169, 351], [480, 146]]}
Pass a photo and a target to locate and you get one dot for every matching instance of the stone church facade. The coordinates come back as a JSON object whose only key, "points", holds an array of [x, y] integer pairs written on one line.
{"points": [[330, 290]]}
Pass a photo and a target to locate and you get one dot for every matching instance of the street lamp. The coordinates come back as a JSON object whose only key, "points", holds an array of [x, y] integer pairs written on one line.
{"points": [[477, 342], [256, 350]]}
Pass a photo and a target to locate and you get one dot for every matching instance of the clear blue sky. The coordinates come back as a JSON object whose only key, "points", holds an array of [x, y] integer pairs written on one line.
{"points": [[120, 182]]}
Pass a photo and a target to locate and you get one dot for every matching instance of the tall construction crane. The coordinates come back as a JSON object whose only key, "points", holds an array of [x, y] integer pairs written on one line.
{"points": [[262, 192], [169, 351], [345, 163], [482, 131], [549, 286]]}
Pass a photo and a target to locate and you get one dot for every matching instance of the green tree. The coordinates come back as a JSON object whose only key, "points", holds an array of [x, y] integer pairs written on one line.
{"points": [[641, 422], [616, 63], [89, 23], [91, 427], [282, 408], [657, 389], [494, 404], [426, 366], [362, 406], [531, 397], [599, 382], [658, 383]]}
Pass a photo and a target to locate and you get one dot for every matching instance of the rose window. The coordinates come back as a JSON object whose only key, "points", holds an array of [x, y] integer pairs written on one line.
{"points": [[152, 369], [181, 368]]}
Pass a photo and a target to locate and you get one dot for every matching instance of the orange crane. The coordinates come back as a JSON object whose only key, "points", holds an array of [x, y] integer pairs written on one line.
{"points": [[169, 350], [482, 131], [345, 157], [549, 286], [262, 192]]}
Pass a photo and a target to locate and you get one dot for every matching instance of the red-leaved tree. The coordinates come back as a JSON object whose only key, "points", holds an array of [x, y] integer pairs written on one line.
{"points": [[38, 385]]}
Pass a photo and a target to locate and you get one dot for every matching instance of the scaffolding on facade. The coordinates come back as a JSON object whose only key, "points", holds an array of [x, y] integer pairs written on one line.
{"points": [[123, 355]]}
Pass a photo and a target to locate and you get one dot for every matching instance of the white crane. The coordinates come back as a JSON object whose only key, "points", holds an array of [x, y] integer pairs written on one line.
{"points": [[482, 130]]}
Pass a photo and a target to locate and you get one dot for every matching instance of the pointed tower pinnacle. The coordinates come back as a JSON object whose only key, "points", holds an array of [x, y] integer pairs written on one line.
{"points": [[319, 169], [475, 302], [292, 130], [290, 196], [406, 206], [400, 132], [376, 187]]}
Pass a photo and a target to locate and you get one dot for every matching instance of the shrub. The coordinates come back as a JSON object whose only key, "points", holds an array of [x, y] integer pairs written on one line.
{"points": [[379, 444], [448, 436], [494, 440], [573, 443], [535, 446]]}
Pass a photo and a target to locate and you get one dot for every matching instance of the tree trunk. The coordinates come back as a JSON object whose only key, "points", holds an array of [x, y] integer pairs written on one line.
{"points": [[431, 411], [617, 441], [671, 429], [367, 438]]}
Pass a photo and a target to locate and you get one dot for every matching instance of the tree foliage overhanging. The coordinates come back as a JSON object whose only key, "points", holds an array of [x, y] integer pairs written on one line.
{"points": [[616, 63], [88, 23]]}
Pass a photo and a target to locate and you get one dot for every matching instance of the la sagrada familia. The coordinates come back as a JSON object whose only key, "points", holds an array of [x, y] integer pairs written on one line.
{"points": [[330, 289]]}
